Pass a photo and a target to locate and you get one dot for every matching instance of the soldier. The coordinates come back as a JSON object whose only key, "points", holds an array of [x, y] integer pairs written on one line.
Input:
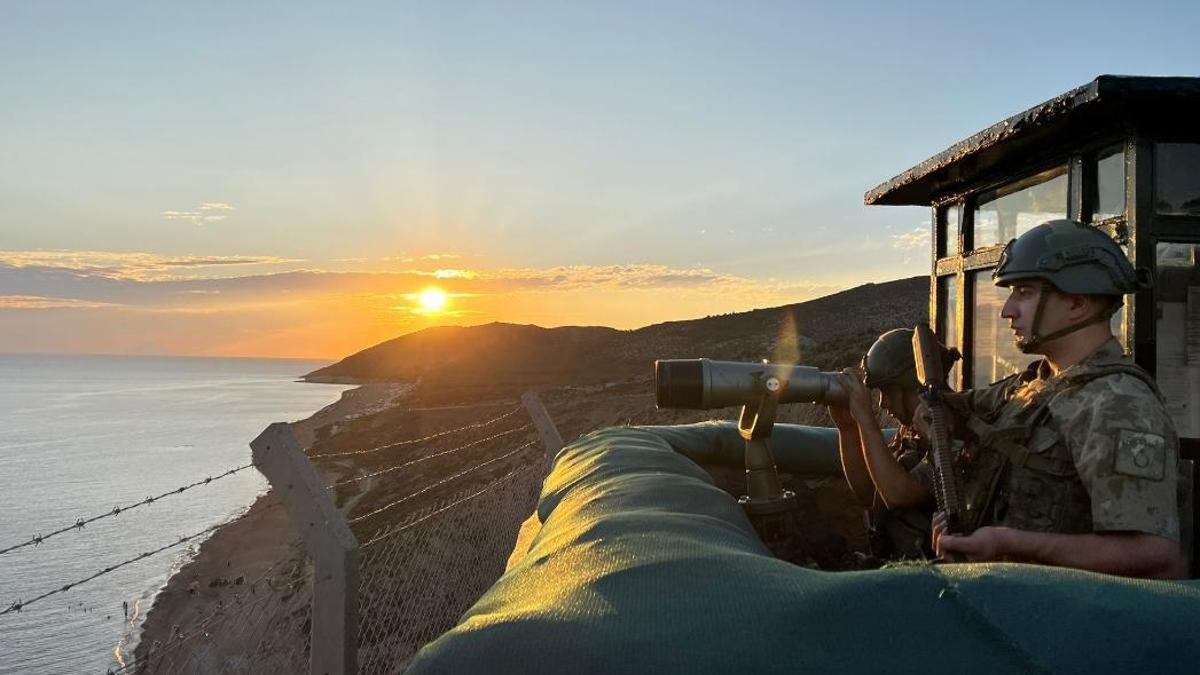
{"points": [[1072, 462], [890, 479]]}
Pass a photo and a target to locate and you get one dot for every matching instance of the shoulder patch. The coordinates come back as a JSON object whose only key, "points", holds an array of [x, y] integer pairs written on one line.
{"points": [[1141, 454]]}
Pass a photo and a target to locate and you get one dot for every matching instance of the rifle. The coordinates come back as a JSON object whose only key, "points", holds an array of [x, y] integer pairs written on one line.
{"points": [[931, 374]]}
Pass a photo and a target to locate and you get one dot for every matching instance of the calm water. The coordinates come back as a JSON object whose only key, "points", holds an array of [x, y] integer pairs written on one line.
{"points": [[80, 435]]}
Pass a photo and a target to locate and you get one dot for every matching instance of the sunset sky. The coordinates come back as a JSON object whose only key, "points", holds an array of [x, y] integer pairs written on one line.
{"points": [[287, 179]]}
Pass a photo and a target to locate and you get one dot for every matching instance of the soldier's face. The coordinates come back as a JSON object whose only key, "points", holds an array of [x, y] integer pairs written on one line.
{"points": [[899, 402], [1021, 309]]}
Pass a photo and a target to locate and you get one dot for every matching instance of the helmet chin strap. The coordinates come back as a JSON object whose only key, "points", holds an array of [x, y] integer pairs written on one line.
{"points": [[1038, 340]]}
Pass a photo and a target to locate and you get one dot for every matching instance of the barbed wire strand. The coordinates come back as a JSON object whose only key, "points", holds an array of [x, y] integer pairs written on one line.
{"points": [[347, 481], [22, 604], [445, 480], [19, 605], [412, 441], [451, 505], [167, 655], [118, 510]]}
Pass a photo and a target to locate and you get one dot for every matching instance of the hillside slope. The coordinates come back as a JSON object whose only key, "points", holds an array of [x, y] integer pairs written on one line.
{"points": [[502, 359]]}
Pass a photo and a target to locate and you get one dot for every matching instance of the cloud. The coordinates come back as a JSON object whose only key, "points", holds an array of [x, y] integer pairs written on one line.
{"points": [[455, 274], [39, 302], [916, 238], [427, 257], [208, 212], [614, 276], [126, 265], [142, 283]]}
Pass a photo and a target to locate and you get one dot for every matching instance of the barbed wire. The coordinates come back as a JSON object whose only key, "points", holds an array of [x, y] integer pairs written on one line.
{"points": [[445, 480], [347, 481], [118, 510], [413, 441], [449, 506], [80, 523], [22, 604]]}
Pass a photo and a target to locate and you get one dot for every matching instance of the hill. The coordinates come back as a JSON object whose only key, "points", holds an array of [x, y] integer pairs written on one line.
{"points": [[461, 430], [498, 359]]}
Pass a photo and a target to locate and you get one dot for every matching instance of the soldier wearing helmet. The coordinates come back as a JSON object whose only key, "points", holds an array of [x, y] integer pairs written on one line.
{"points": [[1072, 462], [888, 478]]}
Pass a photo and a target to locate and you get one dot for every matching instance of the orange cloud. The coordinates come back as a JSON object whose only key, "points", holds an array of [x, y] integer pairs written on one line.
{"points": [[134, 303]]}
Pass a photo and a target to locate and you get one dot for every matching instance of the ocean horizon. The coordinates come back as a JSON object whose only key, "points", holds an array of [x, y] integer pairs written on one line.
{"points": [[86, 433]]}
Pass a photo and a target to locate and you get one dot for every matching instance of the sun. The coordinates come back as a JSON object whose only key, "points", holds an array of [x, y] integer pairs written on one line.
{"points": [[432, 299]]}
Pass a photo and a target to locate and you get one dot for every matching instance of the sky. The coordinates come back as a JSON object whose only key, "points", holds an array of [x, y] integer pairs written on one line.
{"points": [[287, 179]]}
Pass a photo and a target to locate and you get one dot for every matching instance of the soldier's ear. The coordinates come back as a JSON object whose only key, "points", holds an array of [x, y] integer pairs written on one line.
{"points": [[1081, 306]]}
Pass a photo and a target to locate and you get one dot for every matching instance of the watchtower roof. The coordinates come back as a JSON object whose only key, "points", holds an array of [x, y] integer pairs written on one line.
{"points": [[1103, 107]]}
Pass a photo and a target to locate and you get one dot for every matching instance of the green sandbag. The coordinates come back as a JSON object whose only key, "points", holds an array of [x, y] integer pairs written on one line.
{"points": [[642, 565]]}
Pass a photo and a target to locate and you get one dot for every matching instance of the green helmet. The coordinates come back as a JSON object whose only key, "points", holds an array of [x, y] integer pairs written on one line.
{"points": [[1073, 257], [890, 361]]}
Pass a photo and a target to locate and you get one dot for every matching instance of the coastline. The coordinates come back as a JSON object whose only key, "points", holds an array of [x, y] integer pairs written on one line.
{"points": [[260, 546]]}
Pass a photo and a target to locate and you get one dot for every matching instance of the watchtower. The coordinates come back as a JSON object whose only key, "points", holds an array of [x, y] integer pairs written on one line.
{"points": [[1119, 153]]}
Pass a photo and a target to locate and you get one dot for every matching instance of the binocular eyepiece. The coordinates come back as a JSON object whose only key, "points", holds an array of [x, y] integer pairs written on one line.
{"points": [[703, 384]]}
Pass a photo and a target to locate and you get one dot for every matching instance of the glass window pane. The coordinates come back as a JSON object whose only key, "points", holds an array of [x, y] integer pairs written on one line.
{"points": [[1177, 296], [994, 352], [1110, 185], [948, 328], [948, 220], [1177, 179], [1005, 214]]}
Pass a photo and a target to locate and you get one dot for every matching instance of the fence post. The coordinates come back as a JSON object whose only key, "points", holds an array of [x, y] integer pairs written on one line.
{"points": [[551, 439], [334, 550]]}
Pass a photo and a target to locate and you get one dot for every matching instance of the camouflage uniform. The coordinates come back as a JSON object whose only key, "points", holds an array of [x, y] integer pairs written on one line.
{"points": [[1091, 449], [903, 533]]}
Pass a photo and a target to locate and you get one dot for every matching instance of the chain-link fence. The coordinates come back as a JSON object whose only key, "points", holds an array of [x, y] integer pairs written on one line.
{"points": [[419, 577]]}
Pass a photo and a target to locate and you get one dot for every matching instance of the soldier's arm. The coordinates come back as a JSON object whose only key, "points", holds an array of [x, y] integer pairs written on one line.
{"points": [[1133, 554], [891, 480], [850, 446], [1126, 451], [851, 452]]}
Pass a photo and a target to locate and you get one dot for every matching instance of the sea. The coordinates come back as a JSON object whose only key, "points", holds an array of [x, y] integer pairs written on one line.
{"points": [[80, 435]]}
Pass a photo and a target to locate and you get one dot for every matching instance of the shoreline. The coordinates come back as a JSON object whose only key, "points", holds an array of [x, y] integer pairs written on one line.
{"points": [[259, 545]]}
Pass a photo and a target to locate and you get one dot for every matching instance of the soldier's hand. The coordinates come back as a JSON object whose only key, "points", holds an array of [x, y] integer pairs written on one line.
{"points": [[939, 528], [922, 419], [858, 399], [984, 544]]}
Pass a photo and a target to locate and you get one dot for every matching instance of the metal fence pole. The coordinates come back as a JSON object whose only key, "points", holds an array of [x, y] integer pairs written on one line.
{"points": [[551, 439], [332, 545]]}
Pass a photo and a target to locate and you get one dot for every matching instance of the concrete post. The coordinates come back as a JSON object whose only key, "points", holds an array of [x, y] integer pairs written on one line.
{"points": [[332, 545], [552, 441]]}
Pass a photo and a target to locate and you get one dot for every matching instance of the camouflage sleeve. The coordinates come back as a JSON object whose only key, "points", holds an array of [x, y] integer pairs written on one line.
{"points": [[983, 402], [986, 400], [1126, 452]]}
